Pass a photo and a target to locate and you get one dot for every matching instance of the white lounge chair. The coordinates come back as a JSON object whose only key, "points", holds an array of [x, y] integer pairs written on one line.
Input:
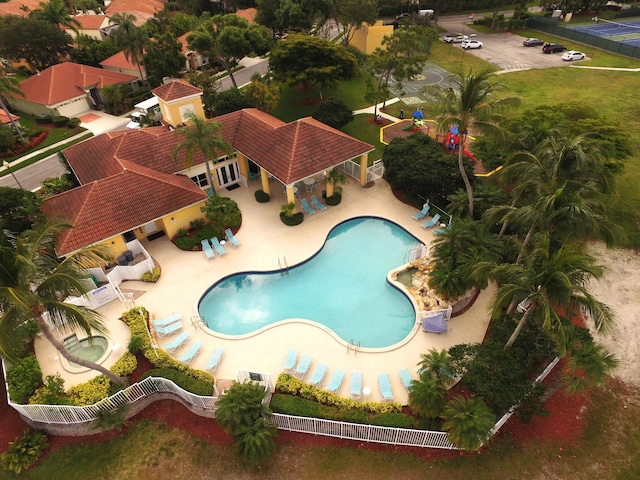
{"points": [[307, 208], [290, 361], [356, 385], [385, 387], [336, 381], [188, 356], [163, 322], [318, 375], [405, 378], [169, 329], [318, 204], [214, 360], [206, 248], [422, 213], [218, 247], [230, 238], [176, 342], [303, 367], [433, 222]]}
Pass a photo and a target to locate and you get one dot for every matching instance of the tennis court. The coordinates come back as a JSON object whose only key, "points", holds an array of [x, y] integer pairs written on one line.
{"points": [[623, 32]]}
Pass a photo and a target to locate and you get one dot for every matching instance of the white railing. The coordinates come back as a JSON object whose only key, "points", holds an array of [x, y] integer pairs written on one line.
{"points": [[375, 171], [418, 252], [364, 432], [352, 169]]}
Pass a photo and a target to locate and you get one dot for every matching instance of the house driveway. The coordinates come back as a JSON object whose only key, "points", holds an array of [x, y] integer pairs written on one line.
{"points": [[100, 122]]}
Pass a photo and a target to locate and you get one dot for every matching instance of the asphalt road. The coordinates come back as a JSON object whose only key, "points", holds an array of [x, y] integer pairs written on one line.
{"points": [[31, 176]]}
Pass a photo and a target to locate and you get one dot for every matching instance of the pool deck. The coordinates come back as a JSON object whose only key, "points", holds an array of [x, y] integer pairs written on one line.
{"points": [[265, 239]]}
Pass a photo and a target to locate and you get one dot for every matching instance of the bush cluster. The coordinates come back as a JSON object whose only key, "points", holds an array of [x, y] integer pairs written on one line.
{"points": [[73, 122], [190, 384], [51, 393], [152, 276], [292, 220], [192, 242], [262, 196], [20, 148], [60, 121], [24, 451], [43, 119], [334, 199], [90, 392], [23, 378], [125, 365]]}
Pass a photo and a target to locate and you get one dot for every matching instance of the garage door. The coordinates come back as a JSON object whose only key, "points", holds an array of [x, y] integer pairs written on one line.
{"points": [[73, 107]]}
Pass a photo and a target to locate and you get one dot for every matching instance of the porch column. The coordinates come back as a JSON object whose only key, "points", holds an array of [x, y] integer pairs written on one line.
{"points": [[364, 161], [291, 198], [243, 165], [264, 176], [329, 186]]}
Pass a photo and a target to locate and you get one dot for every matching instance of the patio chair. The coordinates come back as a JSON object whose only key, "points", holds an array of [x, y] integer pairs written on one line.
{"points": [[188, 356], [422, 213], [318, 204], [336, 381], [216, 245], [163, 322], [206, 248], [309, 186], [169, 329], [307, 207], [356, 385], [385, 387], [214, 360], [176, 342], [231, 238], [290, 361], [440, 231], [303, 367], [405, 378], [318, 375], [433, 222]]}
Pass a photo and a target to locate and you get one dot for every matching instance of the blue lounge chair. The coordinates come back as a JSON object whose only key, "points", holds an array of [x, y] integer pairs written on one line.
{"points": [[422, 213], [335, 381], [290, 361], [440, 231], [169, 329], [206, 248], [230, 238], [307, 207], [216, 245], [406, 378], [318, 375], [385, 387], [163, 322], [188, 356], [213, 362], [356, 385], [318, 204], [176, 342], [433, 222], [303, 367]]}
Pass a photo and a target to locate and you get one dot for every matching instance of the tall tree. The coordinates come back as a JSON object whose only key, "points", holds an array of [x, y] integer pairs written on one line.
{"points": [[57, 13], [468, 422], [163, 58], [472, 103], [302, 15], [32, 283], [351, 15], [10, 85], [262, 94], [91, 51], [133, 40], [201, 136]]}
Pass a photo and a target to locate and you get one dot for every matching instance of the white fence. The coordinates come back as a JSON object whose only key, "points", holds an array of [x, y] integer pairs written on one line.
{"points": [[352, 169]]}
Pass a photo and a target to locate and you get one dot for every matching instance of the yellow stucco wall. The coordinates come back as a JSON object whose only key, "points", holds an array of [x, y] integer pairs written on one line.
{"points": [[368, 38], [180, 219], [175, 112], [115, 245]]}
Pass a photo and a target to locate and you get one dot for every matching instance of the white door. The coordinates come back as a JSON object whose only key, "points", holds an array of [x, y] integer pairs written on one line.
{"points": [[228, 174], [150, 228]]}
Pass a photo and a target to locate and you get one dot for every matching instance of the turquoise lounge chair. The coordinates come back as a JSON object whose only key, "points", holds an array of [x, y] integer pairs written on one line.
{"points": [[303, 367], [206, 248], [230, 238], [307, 207], [406, 378], [213, 362], [219, 248], [385, 387], [433, 222], [169, 329], [335, 381], [176, 342], [440, 231], [290, 361], [422, 213], [188, 356], [318, 375], [356, 385], [318, 204], [163, 322]]}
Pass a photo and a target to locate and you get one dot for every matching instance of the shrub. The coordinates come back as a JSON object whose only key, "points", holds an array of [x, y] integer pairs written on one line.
{"points": [[292, 405], [182, 233], [190, 384], [262, 196], [107, 419], [60, 121], [292, 220], [24, 451], [152, 276], [43, 119], [197, 224], [53, 186], [393, 419], [51, 393], [334, 199], [90, 392], [23, 379], [73, 122], [136, 344], [125, 365], [333, 112]]}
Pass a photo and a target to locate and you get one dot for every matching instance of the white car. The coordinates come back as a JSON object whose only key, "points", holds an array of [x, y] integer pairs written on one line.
{"points": [[572, 55], [467, 44], [134, 120], [452, 38]]}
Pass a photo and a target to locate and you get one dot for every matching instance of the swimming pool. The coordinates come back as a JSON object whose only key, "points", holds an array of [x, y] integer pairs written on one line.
{"points": [[343, 287]]}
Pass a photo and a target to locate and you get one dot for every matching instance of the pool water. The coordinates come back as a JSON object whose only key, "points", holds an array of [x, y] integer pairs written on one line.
{"points": [[89, 349], [343, 287]]}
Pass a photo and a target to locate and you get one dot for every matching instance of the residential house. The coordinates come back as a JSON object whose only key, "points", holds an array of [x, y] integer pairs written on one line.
{"points": [[121, 64], [91, 25]]}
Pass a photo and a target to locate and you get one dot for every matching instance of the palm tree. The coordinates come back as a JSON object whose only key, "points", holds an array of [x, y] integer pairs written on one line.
{"points": [[471, 103], [468, 422], [428, 395], [33, 285], [57, 12], [548, 282], [204, 137], [438, 364], [132, 39], [10, 85], [255, 443]]}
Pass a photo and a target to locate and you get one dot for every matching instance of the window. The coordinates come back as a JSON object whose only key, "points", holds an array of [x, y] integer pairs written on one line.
{"points": [[186, 111], [200, 180]]}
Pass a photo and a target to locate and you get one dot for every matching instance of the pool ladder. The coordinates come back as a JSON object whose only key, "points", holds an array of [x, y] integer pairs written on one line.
{"points": [[283, 270], [353, 346]]}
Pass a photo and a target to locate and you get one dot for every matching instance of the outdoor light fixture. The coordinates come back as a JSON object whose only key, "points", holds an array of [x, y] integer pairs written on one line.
{"points": [[7, 165]]}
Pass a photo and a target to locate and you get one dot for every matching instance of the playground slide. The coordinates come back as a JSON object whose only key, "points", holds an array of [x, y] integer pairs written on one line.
{"points": [[469, 155]]}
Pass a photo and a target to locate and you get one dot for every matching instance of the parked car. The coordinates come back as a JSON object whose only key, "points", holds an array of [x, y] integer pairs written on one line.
{"points": [[467, 44], [532, 42], [403, 16], [572, 55], [553, 48], [453, 38]]}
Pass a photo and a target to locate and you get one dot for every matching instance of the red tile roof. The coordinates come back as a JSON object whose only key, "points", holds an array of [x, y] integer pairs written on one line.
{"points": [[249, 14], [133, 197], [15, 7], [5, 119], [88, 22], [68, 80], [182, 40], [119, 60], [175, 90], [148, 7]]}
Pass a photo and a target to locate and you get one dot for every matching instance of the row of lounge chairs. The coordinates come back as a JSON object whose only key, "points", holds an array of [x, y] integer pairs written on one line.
{"points": [[337, 378], [319, 206], [434, 221], [217, 246]]}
